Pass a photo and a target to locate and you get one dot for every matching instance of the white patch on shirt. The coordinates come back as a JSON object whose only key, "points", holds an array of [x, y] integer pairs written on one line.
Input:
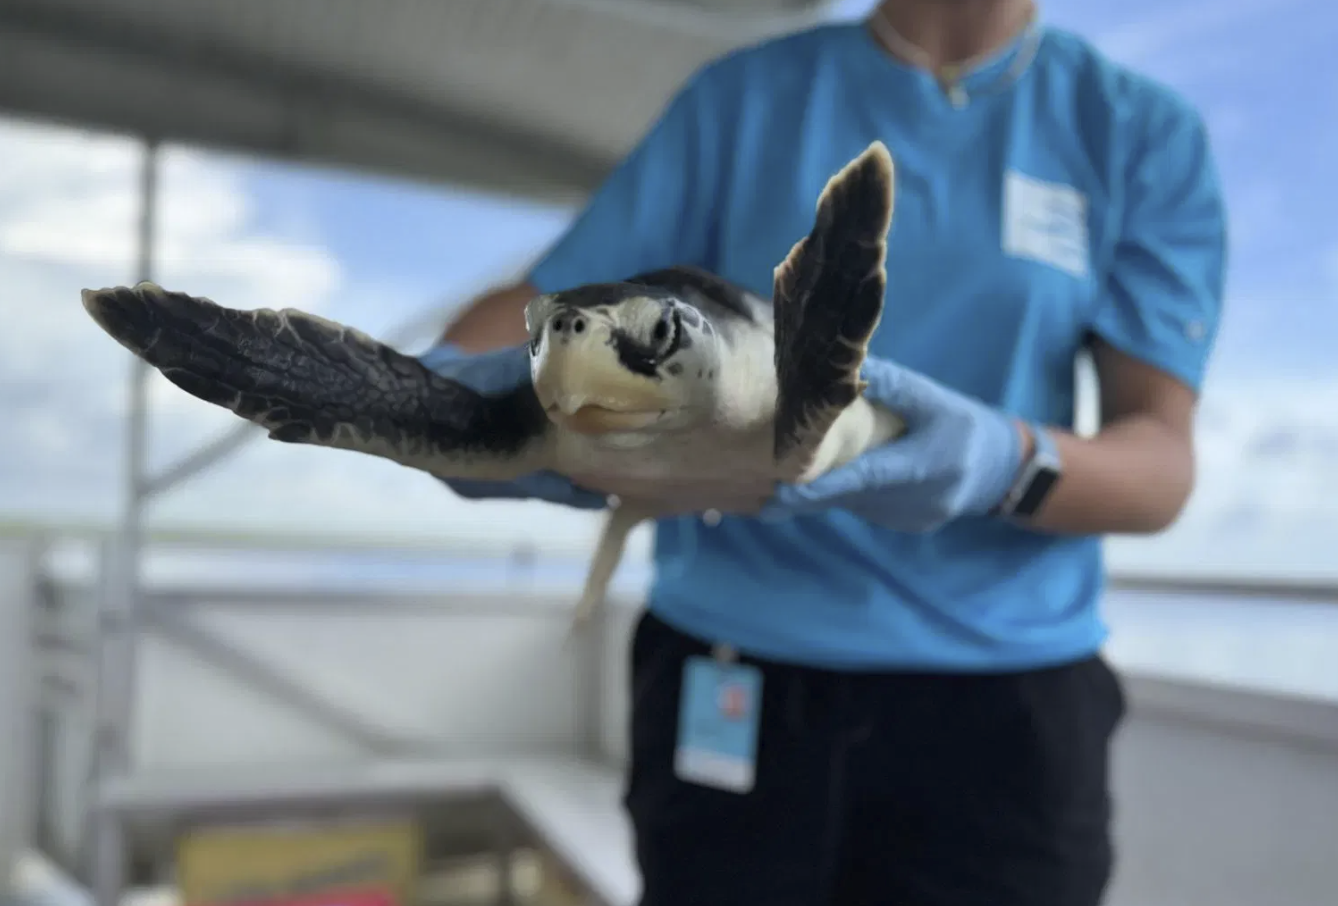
{"points": [[1046, 222]]}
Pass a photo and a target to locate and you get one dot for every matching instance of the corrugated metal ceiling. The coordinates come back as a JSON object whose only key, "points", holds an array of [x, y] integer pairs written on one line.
{"points": [[537, 97]]}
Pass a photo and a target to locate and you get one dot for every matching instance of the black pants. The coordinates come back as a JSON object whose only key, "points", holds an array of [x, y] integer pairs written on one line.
{"points": [[894, 789]]}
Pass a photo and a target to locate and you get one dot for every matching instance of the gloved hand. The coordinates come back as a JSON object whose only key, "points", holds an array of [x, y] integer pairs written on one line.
{"points": [[496, 372], [958, 457]]}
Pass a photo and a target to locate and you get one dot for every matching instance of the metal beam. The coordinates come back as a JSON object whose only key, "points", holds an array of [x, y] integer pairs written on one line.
{"points": [[120, 565], [177, 626], [494, 603], [1252, 712], [1318, 591], [447, 549], [119, 591]]}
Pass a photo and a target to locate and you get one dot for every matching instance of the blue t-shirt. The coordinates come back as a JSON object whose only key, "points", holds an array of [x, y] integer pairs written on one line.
{"points": [[1075, 197]]}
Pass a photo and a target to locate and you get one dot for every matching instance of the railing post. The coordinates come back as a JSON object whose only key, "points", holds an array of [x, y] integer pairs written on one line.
{"points": [[18, 701], [113, 719]]}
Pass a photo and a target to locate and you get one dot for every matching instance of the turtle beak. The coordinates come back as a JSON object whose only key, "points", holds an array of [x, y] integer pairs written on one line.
{"points": [[596, 419], [584, 388]]}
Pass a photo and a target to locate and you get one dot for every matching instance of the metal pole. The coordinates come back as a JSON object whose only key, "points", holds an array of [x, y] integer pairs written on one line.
{"points": [[18, 703], [119, 596]]}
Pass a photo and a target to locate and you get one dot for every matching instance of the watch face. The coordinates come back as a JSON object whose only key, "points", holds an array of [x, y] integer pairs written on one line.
{"points": [[1042, 481]]}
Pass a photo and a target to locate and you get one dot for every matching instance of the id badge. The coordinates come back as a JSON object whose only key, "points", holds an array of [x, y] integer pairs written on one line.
{"points": [[718, 724]]}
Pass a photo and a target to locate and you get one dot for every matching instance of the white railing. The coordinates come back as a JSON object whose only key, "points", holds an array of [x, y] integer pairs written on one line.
{"points": [[1223, 795]]}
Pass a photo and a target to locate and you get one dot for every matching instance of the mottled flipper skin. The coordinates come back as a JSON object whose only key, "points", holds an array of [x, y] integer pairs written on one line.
{"points": [[828, 300], [311, 381]]}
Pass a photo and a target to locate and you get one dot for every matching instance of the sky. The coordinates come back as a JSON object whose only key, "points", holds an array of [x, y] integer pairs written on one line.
{"points": [[376, 252]]}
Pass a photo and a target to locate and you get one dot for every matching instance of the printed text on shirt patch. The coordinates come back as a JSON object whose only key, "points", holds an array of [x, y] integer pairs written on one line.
{"points": [[1046, 222]]}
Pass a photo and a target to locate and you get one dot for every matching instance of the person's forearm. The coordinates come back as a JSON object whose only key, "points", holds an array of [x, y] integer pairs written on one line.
{"points": [[492, 321], [1134, 477]]}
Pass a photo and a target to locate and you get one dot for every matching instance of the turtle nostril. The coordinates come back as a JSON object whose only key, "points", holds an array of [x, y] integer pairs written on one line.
{"points": [[578, 325], [559, 324]]}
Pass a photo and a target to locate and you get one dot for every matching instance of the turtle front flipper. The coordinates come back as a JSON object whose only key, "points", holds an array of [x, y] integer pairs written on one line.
{"points": [[312, 381], [828, 299]]}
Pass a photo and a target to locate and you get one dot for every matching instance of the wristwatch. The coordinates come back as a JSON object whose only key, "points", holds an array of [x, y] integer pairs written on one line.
{"points": [[1036, 479]]}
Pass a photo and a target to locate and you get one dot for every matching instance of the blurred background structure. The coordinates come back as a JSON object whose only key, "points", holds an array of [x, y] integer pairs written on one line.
{"points": [[258, 633]]}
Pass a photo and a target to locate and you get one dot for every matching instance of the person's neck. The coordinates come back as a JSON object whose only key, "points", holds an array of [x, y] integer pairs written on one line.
{"points": [[935, 34]]}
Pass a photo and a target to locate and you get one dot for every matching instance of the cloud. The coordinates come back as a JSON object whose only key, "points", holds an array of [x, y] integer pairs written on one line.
{"points": [[72, 199], [1163, 33], [1263, 501], [68, 220]]}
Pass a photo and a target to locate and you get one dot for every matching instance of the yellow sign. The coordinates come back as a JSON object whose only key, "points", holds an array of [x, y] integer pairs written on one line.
{"points": [[265, 862]]}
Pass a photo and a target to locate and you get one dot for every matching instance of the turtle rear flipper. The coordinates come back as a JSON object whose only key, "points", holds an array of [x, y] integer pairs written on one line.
{"points": [[312, 381], [828, 300]]}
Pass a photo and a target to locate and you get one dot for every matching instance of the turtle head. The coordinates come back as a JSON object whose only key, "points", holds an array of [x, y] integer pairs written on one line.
{"points": [[620, 357]]}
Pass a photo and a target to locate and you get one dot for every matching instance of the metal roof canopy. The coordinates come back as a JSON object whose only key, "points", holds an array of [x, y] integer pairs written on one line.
{"points": [[529, 97]]}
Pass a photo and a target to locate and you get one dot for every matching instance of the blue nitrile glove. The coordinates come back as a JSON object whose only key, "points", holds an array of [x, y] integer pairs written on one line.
{"points": [[496, 372], [958, 457]]}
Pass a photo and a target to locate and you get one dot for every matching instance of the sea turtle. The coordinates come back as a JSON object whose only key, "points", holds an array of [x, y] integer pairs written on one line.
{"points": [[673, 392]]}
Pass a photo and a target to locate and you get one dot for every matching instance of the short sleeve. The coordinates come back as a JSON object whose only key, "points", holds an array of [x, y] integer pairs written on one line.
{"points": [[1163, 295], [657, 207]]}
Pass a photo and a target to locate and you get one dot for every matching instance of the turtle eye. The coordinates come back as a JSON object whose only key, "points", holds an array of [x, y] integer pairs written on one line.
{"points": [[666, 331]]}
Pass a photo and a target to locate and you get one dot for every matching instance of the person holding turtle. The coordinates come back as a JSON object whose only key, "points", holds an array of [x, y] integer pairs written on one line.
{"points": [[887, 687]]}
